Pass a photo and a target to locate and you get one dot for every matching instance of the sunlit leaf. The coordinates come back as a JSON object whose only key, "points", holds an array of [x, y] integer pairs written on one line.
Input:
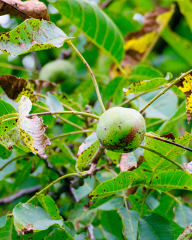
{"points": [[171, 151], [15, 87], [32, 130], [27, 218], [49, 205], [95, 24], [32, 35], [172, 179], [109, 187]]}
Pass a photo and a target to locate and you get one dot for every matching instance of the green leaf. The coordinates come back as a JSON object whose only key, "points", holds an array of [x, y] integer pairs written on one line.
{"points": [[27, 217], [49, 205], [109, 187], [130, 223], [5, 109], [53, 103], [95, 24], [23, 175], [4, 152], [172, 179], [170, 123], [166, 149], [3, 221], [32, 35], [59, 234], [183, 215], [155, 227], [7, 232], [186, 9], [86, 151], [136, 203], [145, 85], [181, 45]]}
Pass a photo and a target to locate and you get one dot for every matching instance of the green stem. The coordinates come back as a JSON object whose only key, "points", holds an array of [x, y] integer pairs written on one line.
{"points": [[63, 119], [64, 112], [14, 159], [143, 203], [92, 75], [71, 133], [165, 90], [63, 104], [129, 100], [167, 141], [155, 123], [52, 183], [9, 119], [163, 156], [6, 65]]}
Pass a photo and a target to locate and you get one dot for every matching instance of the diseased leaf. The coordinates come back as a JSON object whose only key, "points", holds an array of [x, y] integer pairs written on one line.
{"points": [[95, 24], [139, 44], [32, 35], [49, 205], [32, 130], [154, 160], [172, 179], [86, 151], [136, 203], [186, 234], [155, 227], [45, 85], [185, 85], [6, 111], [24, 10], [109, 187], [130, 221], [15, 87], [27, 218]]}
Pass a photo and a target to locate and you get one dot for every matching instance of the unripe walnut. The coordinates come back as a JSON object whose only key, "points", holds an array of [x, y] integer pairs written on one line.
{"points": [[121, 129]]}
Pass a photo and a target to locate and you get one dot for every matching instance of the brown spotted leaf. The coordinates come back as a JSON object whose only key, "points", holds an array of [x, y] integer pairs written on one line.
{"points": [[185, 85], [139, 44], [32, 35], [15, 87], [24, 10], [32, 130], [45, 85]]}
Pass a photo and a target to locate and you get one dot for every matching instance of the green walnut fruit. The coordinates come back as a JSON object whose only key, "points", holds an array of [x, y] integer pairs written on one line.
{"points": [[61, 72], [121, 129]]}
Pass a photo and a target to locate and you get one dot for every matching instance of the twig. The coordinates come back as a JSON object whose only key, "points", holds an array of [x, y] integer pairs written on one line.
{"points": [[13, 159], [166, 89], [92, 75], [163, 156], [167, 141], [91, 233], [19, 194], [105, 4], [71, 133], [63, 112], [52, 183], [100, 152], [38, 64]]}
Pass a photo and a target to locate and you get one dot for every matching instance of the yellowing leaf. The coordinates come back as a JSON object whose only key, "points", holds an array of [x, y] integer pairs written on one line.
{"points": [[32, 130], [185, 85], [139, 44]]}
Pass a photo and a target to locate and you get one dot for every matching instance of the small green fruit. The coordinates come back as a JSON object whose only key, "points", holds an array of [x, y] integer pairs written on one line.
{"points": [[121, 129], [61, 72]]}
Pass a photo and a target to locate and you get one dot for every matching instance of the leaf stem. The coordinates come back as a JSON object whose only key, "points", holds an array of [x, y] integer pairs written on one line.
{"points": [[71, 133], [11, 66], [165, 90], [13, 159], [163, 156], [92, 75], [129, 100], [52, 183], [9, 119], [64, 112], [167, 141]]}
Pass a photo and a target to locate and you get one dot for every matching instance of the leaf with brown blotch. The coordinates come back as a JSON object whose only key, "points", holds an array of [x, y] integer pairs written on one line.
{"points": [[129, 161], [32, 130], [39, 85], [185, 85], [24, 10], [15, 87], [139, 44]]}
